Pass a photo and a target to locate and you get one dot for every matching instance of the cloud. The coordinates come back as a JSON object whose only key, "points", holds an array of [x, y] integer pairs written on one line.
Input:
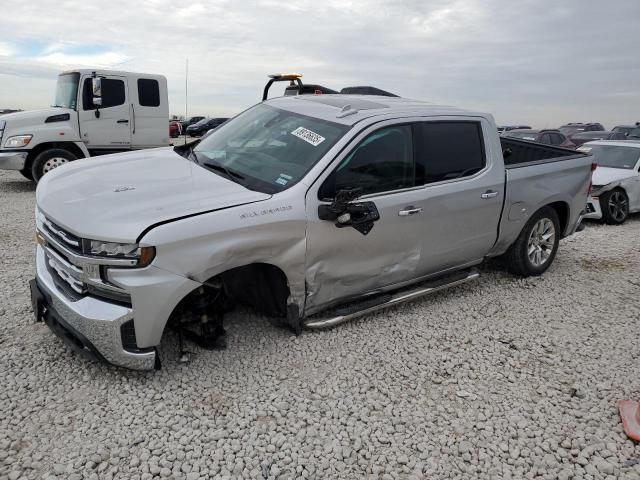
{"points": [[540, 63], [6, 50], [106, 59]]}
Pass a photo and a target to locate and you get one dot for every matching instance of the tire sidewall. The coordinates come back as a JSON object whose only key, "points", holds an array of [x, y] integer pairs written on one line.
{"points": [[550, 214], [41, 159], [604, 206]]}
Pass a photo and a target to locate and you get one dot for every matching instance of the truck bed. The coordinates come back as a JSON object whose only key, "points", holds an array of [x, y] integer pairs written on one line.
{"points": [[520, 153], [537, 175]]}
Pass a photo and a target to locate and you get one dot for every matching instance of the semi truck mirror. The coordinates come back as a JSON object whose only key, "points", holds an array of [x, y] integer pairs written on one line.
{"points": [[96, 88]]}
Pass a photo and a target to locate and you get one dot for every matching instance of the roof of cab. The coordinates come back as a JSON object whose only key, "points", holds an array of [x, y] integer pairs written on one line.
{"points": [[351, 109], [106, 71]]}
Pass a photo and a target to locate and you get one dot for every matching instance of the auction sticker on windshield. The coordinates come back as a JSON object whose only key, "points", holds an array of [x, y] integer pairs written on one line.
{"points": [[308, 136]]}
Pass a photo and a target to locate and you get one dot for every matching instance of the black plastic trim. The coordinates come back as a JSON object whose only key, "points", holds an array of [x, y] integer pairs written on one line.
{"points": [[70, 336], [61, 117]]}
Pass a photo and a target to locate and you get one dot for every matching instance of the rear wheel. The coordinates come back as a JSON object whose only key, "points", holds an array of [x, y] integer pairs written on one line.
{"points": [[615, 206], [49, 160], [535, 248]]}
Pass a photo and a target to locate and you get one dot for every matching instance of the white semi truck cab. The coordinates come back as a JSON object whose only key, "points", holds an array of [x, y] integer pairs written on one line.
{"points": [[95, 112]]}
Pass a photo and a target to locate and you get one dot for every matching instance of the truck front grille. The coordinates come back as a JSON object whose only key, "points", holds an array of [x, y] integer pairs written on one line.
{"points": [[67, 239], [66, 271]]}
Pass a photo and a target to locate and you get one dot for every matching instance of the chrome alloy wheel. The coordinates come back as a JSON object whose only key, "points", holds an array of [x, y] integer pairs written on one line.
{"points": [[542, 239], [52, 163], [617, 206]]}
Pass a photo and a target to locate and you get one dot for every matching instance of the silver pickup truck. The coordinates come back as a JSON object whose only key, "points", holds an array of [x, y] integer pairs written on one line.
{"points": [[312, 209]]}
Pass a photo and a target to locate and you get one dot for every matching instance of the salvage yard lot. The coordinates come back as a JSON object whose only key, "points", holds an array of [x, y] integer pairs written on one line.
{"points": [[501, 378]]}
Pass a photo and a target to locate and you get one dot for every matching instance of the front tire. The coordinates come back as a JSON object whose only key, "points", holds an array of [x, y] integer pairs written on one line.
{"points": [[535, 248], [615, 206], [49, 160]]}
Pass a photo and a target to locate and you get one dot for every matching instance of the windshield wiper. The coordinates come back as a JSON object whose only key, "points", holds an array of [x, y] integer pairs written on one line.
{"points": [[233, 176]]}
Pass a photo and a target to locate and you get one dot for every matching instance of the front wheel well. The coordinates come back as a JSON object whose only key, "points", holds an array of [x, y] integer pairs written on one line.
{"points": [[262, 286], [38, 149]]}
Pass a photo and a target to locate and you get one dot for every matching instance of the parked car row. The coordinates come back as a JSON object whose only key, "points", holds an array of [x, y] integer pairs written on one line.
{"points": [[201, 127], [572, 135], [194, 127]]}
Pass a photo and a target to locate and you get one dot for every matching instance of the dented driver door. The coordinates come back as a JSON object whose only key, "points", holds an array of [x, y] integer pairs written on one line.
{"points": [[364, 218]]}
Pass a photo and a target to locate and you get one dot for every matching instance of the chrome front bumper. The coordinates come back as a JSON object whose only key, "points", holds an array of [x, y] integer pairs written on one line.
{"points": [[96, 321], [12, 160]]}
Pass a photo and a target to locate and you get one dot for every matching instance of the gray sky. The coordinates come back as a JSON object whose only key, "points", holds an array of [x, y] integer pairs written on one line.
{"points": [[540, 62]]}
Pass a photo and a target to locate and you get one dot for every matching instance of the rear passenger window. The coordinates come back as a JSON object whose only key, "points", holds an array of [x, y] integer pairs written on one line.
{"points": [[148, 92], [113, 94], [449, 150], [382, 162]]}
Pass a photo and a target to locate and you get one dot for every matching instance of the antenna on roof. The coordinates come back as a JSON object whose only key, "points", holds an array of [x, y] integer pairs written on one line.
{"points": [[346, 111]]}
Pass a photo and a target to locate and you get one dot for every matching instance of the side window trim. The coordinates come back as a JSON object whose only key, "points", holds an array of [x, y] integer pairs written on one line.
{"points": [[86, 93]]}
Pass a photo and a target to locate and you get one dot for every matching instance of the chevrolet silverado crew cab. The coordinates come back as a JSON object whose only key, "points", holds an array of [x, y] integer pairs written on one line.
{"points": [[312, 209], [95, 112]]}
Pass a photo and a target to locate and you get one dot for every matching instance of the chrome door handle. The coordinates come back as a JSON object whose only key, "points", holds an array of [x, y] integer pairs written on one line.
{"points": [[489, 194], [409, 211]]}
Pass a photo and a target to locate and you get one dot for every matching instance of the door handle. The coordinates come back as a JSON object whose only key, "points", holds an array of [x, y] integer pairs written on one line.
{"points": [[122, 120], [409, 211], [489, 194]]}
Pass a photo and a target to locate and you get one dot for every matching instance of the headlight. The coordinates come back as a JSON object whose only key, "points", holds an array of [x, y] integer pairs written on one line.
{"points": [[18, 141], [144, 255]]}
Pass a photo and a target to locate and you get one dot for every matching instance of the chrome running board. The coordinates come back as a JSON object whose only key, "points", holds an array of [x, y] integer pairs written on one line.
{"points": [[344, 314]]}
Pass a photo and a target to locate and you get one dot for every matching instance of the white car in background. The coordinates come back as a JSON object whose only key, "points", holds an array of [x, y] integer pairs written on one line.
{"points": [[616, 181]]}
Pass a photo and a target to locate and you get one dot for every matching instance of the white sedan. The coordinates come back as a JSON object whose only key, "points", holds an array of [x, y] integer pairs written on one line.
{"points": [[616, 181]]}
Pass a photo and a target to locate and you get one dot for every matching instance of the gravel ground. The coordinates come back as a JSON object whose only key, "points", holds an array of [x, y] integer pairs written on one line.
{"points": [[502, 378]]}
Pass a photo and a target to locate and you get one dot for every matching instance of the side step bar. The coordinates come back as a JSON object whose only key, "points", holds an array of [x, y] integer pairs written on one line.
{"points": [[344, 314]]}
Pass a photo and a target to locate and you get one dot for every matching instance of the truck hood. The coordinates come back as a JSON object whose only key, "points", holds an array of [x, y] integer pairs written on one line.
{"points": [[606, 175], [31, 118], [117, 197]]}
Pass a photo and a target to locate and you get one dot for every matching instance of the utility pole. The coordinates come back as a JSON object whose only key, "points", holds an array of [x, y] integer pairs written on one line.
{"points": [[186, 96]]}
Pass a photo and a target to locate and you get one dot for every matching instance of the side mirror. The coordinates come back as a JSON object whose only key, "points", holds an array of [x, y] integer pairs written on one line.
{"points": [[359, 215]]}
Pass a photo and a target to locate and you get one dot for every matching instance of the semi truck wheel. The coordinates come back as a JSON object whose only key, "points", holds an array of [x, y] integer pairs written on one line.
{"points": [[48, 160], [536, 246], [615, 206]]}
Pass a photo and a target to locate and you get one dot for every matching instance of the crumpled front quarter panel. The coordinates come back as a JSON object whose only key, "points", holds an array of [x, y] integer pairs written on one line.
{"points": [[270, 231]]}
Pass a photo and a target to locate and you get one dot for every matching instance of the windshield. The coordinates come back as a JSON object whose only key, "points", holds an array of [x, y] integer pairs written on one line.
{"points": [[613, 156], [624, 130], [568, 131], [598, 135], [268, 148], [67, 90], [523, 135]]}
